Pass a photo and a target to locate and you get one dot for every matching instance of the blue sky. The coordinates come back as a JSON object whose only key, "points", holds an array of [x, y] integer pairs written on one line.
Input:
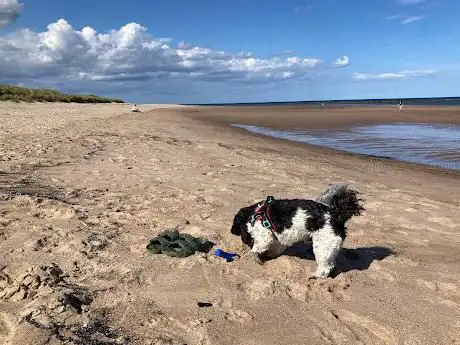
{"points": [[233, 51]]}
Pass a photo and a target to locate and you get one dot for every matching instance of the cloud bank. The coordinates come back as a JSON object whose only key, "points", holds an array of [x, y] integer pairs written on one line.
{"points": [[9, 11], [392, 75], [131, 53], [405, 19], [411, 19]]}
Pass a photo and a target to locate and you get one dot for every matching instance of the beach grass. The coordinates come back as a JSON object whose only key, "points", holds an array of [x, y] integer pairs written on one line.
{"points": [[23, 94]]}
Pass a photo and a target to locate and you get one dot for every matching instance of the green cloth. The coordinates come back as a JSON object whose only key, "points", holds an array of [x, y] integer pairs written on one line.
{"points": [[171, 243]]}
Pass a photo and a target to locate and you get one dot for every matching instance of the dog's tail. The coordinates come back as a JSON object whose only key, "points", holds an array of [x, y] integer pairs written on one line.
{"points": [[343, 201]]}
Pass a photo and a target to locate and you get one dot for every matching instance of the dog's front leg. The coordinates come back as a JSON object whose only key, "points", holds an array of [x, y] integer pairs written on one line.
{"points": [[258, 258], [263, 241]]}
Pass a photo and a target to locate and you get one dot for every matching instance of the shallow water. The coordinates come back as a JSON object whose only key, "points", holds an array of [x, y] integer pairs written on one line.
{"points": [[430, 144]]}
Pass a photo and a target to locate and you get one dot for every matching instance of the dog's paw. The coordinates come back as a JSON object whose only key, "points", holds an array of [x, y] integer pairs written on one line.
{"points": [[317, 277], [322, 273], [258, 259]]}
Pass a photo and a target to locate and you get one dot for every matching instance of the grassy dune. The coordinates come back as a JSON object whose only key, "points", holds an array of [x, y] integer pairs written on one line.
{"points": [[22, 94]]}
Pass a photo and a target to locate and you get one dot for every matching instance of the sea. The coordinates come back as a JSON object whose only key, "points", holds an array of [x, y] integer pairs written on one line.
{"points": [[433, 101], [430, 144]]}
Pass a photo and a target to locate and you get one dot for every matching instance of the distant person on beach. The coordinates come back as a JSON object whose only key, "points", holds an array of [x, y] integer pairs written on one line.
{"points": [[400, 105], [135, 109]]}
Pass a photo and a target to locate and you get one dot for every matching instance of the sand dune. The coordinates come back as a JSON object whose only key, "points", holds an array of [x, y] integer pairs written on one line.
{"points": [[84, 187]]}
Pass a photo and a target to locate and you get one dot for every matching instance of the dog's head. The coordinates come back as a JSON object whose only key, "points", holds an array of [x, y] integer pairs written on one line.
{"points": [[240, 228]]}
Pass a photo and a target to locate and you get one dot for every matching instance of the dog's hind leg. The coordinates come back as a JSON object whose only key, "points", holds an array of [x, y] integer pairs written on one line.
{"points": [[326, 247]]}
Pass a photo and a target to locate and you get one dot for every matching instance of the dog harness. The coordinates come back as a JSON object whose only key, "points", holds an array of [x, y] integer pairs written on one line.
{"points": [[262, 214]]}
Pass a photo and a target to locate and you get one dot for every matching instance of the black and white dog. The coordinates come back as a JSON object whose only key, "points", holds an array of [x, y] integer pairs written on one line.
{"points": [[272, 225]]}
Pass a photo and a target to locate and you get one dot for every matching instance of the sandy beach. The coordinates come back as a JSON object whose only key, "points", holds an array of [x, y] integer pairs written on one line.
{"points": [[83, 188]]}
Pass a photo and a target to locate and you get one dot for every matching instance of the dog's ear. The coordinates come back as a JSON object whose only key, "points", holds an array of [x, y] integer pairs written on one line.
{"points": [[241, 218], [246, 237], [239, 227], [238, 222]]}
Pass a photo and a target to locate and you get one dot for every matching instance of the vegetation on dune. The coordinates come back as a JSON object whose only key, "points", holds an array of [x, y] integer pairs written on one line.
{"points": [[23, 94]]}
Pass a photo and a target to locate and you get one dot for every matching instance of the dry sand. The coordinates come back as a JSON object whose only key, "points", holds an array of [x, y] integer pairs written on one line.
{"points": [[97, 183]]}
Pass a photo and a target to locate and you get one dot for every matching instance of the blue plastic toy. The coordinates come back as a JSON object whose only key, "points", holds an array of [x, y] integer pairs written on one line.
{"points": [[229, 257]]}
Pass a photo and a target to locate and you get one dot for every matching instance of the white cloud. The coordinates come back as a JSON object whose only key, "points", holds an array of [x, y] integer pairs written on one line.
{"points": [[393, 17], [411, 19], [299, 9], [9, 11], [342, 61], [405, 19], [397, 75], [131, 53], [411, 2]]}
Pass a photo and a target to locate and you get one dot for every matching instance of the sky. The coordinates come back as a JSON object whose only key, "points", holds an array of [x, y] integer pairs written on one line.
{"points": [[224, 51]]}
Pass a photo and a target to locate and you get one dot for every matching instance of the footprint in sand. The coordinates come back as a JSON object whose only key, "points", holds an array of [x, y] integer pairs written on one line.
{"points": [[364, 329], [52, 240], [400, 260], [447, 293], [23, 201], [59, 213], [259, 288], [43, 243], [6, 330], [6, 221], [427, 204], [166, 339], [444, 222], [380, 273], [332, 331], [171, 331], [238, 316], [95, 242], [328, 290]]}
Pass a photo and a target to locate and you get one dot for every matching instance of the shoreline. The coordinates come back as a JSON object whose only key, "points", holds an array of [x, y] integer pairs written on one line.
{"points": [[224, 121], [288, 135]]}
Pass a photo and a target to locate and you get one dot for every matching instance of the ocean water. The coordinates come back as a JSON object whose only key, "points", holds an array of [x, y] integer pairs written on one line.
{"points": [[436, 101], [430, 144]]}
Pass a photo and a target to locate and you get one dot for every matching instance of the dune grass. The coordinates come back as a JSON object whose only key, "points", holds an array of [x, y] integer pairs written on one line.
{"points": [[23, 94]]}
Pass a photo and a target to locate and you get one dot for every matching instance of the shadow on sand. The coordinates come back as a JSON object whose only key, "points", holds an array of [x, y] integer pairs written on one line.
{"points": [[348, 260]]}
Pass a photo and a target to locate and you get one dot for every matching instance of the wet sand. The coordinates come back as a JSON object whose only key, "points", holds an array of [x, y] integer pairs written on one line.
{"points": [[83, 188], [338, 118], [291, 117]]}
